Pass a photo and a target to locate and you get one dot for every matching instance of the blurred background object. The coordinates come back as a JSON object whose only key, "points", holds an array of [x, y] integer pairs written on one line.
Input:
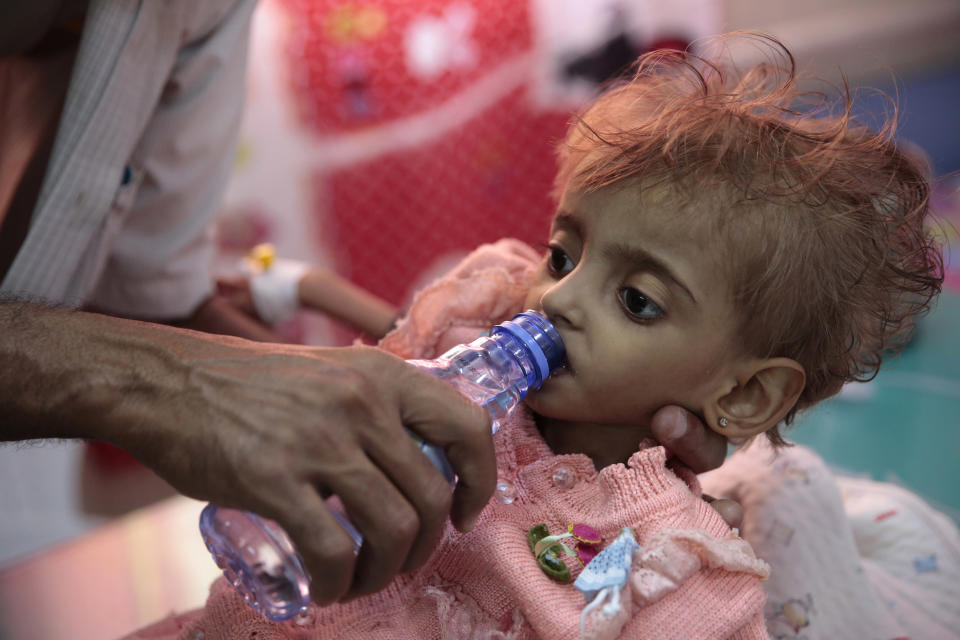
{"points": [[387, 139], [907, 49], [384, 139]]}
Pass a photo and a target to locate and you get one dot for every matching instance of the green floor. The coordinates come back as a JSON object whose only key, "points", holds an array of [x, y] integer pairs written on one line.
{"points": [[904, 426]]}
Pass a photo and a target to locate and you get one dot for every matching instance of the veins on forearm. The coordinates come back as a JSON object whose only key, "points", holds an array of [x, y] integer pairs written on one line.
{"points": [[65, 373]]}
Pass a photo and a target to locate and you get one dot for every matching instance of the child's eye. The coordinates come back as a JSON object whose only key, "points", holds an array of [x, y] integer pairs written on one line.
{"points": [[558, 262], [638, 306]]}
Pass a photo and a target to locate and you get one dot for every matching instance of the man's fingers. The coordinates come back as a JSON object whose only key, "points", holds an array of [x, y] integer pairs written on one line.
{"points": [[424, 488], [443, 417], [729, 510], [687, 438], [391, 493], [476, 466], [698, 447], [389, 524], [324, 545]]}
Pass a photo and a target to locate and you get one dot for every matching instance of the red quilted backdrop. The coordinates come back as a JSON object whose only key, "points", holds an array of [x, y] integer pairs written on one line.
{"points": [[441, 175]]}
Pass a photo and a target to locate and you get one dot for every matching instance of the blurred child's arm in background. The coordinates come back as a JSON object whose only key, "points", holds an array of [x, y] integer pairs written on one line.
{"points": [[274, 289], [325, 291]]}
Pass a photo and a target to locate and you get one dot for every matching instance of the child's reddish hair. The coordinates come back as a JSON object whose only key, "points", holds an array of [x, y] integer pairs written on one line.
{"points": [[820, 220]]}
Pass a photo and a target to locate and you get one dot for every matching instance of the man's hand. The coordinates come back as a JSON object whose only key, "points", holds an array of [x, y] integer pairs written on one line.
{"points": [[262, 427], [698, 447], [276, 430]]}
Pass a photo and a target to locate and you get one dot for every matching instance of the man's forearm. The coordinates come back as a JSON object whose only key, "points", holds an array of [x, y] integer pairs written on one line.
{"points": [[72, 374], [56, 376]]}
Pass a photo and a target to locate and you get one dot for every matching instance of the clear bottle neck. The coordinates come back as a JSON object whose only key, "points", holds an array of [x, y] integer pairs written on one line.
{"points": [[534, 342], [520, 352]]}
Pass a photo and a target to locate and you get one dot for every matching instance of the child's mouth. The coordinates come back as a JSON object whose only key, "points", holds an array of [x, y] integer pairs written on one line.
{"points": [[563, 370]]}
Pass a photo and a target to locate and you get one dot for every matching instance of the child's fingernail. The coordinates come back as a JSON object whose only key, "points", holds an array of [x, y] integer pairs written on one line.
{"points": [[676, 426]]}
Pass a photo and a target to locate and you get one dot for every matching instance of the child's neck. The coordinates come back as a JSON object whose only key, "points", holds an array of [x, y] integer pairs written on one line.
{"points": [[605, 444]]}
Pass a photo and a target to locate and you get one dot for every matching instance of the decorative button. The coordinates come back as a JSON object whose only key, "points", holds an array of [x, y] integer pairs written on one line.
{"points": [[197, 635], [564, 477], [506, 491]]}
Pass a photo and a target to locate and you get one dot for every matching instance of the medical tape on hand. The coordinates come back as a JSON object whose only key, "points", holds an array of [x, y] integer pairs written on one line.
{"points": [[275, 290]]}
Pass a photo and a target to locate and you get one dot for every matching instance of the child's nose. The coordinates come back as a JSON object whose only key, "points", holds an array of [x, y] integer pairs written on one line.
{"points": [[563, 304]]}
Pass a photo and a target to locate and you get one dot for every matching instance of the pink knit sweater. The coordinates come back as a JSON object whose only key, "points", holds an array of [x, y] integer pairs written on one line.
{"points": [[487, 583]]}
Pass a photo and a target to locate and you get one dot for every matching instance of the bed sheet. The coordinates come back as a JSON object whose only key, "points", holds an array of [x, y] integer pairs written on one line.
{"points": [[851, 558]]}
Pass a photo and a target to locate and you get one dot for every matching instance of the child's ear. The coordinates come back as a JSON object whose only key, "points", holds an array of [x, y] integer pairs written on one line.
{"points": [[763, 394]]}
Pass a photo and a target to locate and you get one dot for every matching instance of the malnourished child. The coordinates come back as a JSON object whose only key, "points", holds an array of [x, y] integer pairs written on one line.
{"points": [[712, 248]]}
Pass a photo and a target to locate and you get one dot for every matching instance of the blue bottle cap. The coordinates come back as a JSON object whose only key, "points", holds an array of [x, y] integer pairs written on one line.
{"points": [[540, 338]]}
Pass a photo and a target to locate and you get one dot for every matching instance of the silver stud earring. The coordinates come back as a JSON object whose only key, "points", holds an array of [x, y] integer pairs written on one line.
{"points": [[723, 422]]}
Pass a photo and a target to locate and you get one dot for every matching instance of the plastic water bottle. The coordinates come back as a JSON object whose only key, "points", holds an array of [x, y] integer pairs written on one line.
{"points": [[495, 371]]}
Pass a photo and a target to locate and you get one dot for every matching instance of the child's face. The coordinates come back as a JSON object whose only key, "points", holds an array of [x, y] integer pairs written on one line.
{"points": [[642, 307]]}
